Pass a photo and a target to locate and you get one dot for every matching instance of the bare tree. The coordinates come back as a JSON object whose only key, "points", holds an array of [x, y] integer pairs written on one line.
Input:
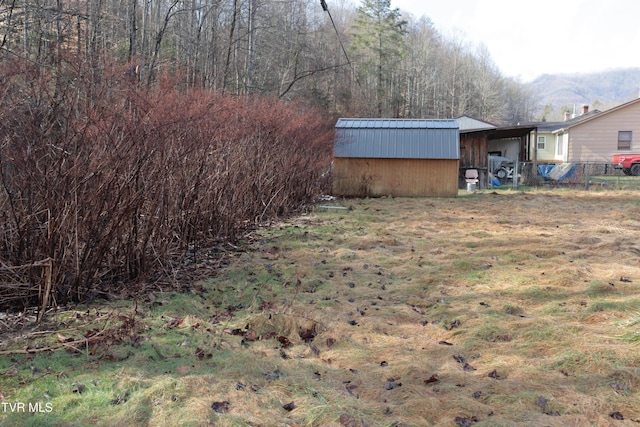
{"points": [[396, 65], [487, 104]]}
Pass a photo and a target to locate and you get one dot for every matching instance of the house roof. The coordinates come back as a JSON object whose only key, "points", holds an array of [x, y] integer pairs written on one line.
{"points": [[470, 125], [397, 138], [554, 126], [595, 116]]}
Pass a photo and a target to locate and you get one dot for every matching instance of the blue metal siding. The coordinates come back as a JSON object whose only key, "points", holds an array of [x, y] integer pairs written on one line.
{"points": [[397, 138]]}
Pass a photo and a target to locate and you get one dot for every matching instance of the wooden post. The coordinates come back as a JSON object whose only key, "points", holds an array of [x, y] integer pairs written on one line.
{"points": [[47, 264], [535, 154], [586, 176]]}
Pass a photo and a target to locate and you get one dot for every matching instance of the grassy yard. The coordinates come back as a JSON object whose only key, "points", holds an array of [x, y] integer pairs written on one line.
{"points": [[619, 182], [498, 308]]}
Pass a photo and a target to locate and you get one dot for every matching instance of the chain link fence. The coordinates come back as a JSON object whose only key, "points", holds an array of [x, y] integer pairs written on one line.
{"points": [[583, 175]]}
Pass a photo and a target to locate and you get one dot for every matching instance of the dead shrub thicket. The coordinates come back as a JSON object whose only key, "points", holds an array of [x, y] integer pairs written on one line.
{"points": [[111, 180]]}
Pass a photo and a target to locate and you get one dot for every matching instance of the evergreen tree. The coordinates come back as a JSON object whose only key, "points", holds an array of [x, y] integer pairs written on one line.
{"points": [[379, 34]]}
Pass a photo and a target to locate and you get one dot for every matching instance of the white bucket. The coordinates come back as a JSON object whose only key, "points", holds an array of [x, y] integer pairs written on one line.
{"points": [[471, 187]]}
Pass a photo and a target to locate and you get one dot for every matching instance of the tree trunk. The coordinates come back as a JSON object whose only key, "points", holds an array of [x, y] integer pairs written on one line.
{"points": [[230, 46], [133, 10]]}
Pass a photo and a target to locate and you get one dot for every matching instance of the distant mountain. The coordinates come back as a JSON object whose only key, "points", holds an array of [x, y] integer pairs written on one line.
{"points": [[601, 90]]}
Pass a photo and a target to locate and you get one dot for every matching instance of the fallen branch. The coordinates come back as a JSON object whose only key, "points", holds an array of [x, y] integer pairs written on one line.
{"points": [[27, 350]]}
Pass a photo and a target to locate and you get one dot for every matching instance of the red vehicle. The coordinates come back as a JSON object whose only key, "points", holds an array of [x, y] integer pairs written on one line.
{"points": [[629, 163]]}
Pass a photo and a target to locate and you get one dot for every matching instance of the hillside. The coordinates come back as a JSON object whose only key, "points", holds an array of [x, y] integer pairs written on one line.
{"points": [[600, 90]]}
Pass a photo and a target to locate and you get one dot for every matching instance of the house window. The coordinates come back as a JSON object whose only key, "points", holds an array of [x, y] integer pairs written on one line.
{"points": [[542, 143], [624, 139]]}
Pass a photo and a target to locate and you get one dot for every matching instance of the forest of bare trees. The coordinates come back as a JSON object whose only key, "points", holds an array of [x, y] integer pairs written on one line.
{"points": [[134, 132], [352, 59]]}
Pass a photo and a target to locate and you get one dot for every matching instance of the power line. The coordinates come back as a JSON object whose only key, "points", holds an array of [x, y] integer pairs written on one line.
{"points": [[323, 3]]}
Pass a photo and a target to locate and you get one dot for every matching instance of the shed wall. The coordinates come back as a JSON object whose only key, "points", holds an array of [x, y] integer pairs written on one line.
{"points": [[473, 150], [474, 155], [358, 177], [509, 147]]}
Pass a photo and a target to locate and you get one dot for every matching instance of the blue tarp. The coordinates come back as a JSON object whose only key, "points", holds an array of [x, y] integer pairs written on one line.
{"points": [[557, 172], [495, 182]]}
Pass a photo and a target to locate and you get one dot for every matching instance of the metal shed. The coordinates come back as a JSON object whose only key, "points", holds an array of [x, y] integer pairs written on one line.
{"points": [[397, 157]]}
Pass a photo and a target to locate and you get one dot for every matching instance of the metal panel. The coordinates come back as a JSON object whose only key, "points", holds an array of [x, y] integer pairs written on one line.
{"points": [[397, 138], [397, 123]]}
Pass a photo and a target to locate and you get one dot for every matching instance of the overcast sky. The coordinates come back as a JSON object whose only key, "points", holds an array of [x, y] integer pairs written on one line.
{"points": [[530, 38]]}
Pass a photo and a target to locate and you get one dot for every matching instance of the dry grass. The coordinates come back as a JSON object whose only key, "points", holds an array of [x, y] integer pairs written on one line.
{"points": [[492, 309], [524, 286]]}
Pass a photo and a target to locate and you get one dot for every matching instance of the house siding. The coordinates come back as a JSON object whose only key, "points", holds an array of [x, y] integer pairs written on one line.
{"points": [[597, 140], [549, 153]]}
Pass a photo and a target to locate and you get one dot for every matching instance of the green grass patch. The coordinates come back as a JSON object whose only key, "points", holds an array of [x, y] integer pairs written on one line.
{"points": [[599, 289], [492, 332], [612, 306]]}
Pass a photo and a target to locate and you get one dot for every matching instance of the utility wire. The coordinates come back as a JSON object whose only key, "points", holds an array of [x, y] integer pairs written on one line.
{"points": [[323, 3]]}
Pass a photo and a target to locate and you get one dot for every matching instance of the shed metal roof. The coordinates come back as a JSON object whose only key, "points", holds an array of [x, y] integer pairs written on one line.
{"points": [[397, 138], [396, 124]]}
